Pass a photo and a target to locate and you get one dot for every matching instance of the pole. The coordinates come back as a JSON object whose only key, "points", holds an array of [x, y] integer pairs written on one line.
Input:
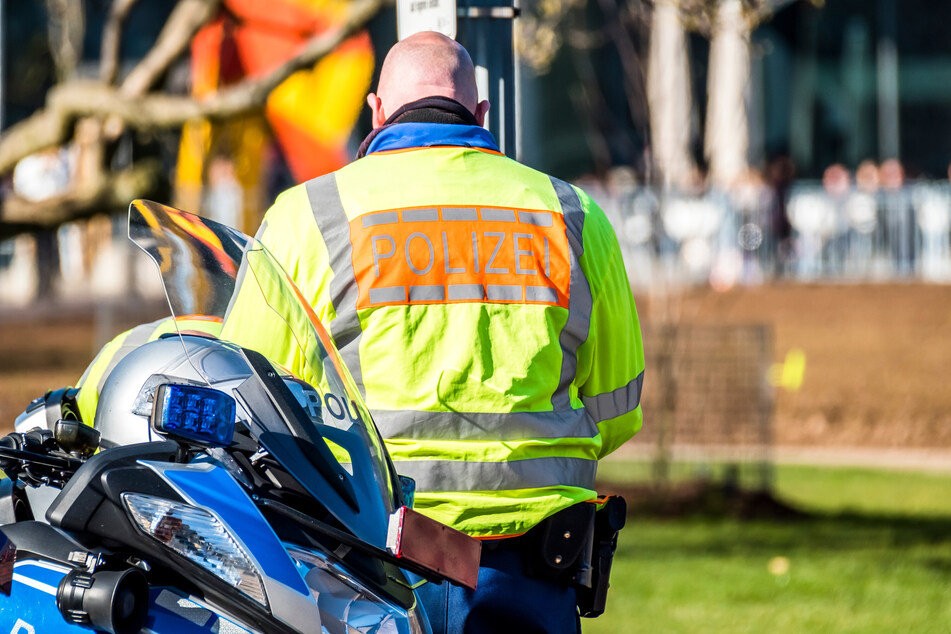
{"points": [[889, 145], [486, 29]]}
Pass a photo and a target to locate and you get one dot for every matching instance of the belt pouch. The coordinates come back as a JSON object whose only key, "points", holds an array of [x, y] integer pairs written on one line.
{"points": [[560, 544]]}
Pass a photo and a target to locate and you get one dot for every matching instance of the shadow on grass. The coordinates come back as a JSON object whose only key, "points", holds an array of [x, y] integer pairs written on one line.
{"points": [[738, 521]]}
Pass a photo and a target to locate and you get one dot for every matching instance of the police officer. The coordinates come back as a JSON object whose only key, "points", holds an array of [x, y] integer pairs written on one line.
{"points": [[484, 311]]}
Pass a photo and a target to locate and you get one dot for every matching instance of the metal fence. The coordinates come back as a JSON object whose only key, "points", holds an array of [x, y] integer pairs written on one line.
{"points": [[710, 406], [752, 235], [749, 235]]}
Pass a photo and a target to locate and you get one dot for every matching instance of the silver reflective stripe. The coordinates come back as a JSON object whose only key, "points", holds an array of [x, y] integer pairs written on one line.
{"points": [[425, 425], [334, 228], [138, 336], [427, 293], [459, 213], [498, 215], [243, 268], [503, 292], [369, 220], [259, 236], [387, 294], [466, 291], [575, 331], [612, 404], [420, 215], [537, 218], [534, 473], [540, 294]]}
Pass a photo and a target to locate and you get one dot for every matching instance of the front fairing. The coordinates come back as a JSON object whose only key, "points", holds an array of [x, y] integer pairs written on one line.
{"points": [[211, 271]]}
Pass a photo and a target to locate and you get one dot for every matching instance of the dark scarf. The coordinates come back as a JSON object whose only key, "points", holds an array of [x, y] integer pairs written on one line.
{"points": [[425, 110]]}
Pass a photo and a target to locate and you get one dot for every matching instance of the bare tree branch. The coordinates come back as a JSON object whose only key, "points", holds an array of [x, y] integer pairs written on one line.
{"points": [[66, 28], [113, 191], [47, 128], [66, 102], [112, 40], [631, 63], [187, 18]]}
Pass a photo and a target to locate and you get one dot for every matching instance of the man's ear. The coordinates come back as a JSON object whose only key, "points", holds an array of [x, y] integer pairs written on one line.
{"points": [[482, 109], [378, 117]]}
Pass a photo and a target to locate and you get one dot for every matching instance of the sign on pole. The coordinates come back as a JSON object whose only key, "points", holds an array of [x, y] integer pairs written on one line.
{"points": [[413, 16]]}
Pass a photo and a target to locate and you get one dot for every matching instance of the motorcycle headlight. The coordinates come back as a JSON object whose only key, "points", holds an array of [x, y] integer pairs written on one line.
{"points": [[344, 599], [200, 537]]}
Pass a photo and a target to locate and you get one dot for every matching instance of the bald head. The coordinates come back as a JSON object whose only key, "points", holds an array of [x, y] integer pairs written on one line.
{"points": [[426, 64]]}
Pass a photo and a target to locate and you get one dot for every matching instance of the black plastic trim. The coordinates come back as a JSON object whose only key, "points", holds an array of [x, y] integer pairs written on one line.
{"points": [[39, 540], [14, 505], [264, 391], [75, 505]]}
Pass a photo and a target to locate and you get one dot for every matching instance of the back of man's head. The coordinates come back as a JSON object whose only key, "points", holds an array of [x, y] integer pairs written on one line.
{"points": [[426, 64]]}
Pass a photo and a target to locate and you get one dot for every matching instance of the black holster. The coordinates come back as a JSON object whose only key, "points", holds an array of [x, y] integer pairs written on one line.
{"points": [[608, 521], [576, 547]]}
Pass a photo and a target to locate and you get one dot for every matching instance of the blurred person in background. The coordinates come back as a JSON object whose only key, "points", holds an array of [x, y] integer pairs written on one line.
{"points": [[863, 214], [900, 228], [837, 183], [866, 177], [752, 198], [780, 173]]}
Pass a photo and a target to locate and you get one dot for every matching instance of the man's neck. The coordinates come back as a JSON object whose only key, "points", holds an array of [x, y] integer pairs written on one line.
{"points": [[426, 110]]}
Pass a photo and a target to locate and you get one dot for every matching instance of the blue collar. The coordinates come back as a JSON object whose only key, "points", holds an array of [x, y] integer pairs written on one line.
{"points": [[402, 136]]}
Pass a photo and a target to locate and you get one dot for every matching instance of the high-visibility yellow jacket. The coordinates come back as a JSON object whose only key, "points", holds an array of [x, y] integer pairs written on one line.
{"points": [[483, 309], [92, 380]]}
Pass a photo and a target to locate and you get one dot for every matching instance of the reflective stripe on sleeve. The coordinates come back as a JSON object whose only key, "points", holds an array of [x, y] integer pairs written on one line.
{"points": [[533, 473], [575, 331], [427, 425], [334, 227], [615, 403]]}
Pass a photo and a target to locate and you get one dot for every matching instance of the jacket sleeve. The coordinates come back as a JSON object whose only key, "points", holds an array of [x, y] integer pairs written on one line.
{"points": [[611, 361]]}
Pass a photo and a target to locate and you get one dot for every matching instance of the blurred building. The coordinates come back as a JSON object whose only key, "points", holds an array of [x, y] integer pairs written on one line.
{"points": [[838, 81], [862, 85], [856, 79]]}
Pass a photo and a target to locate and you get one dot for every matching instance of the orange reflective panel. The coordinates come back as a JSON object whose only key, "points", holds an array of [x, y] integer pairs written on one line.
{"points": [[453, 254]]}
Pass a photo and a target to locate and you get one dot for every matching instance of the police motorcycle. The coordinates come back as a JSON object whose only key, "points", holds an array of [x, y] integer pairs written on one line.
{"points": [[216, 491]]}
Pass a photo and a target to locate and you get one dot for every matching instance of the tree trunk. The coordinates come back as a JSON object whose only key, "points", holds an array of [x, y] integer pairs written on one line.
{"points": [[727, 134], [668, 93]]}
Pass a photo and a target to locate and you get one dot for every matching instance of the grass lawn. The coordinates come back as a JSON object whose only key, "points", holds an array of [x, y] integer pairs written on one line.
{"points": [[875, 556]]}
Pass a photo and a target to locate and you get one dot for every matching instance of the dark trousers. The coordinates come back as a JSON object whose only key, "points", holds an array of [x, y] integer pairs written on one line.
{"points": [[506, 600]]}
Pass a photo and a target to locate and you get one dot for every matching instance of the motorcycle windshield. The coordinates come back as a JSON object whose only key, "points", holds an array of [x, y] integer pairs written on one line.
{"points": [[324, 437]]}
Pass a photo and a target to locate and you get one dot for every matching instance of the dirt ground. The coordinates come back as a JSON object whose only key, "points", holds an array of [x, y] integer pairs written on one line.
{"points": [[877, 357], [48, 347], [877, 374]]}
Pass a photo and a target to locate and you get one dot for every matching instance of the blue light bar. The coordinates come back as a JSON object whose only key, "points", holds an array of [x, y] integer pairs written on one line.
{"points": [[198, 414]]}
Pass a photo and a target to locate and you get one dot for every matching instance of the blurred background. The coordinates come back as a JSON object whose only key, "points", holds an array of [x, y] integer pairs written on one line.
{"points": [[777, 172]]}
